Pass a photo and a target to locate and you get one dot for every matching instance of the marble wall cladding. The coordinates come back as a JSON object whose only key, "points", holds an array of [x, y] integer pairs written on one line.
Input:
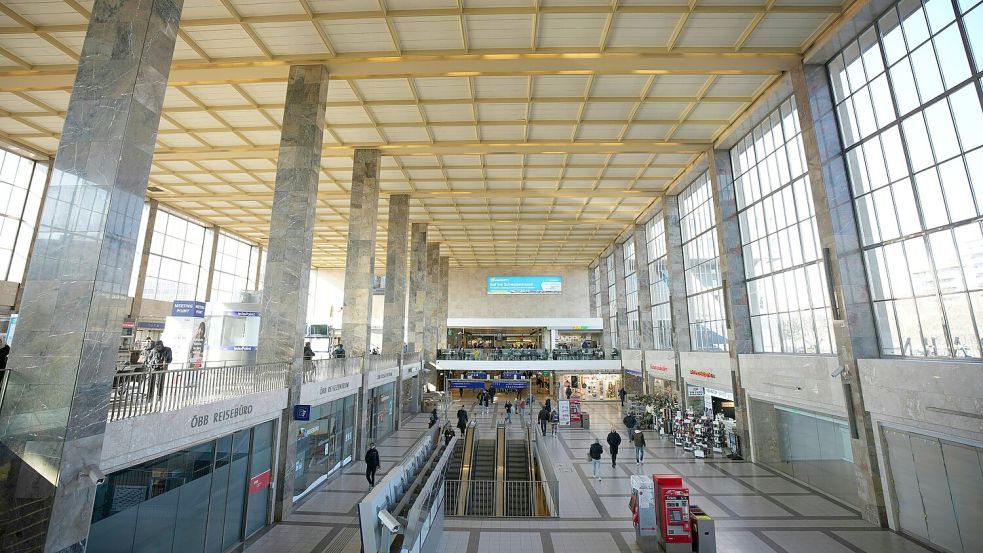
{"points": [[288, 253], [418, 285], [468, 296], [430, 311], [645, 334], [54, 415], [360, 263], [621, 296], [854, 328], [442, 300], [397, 268], [677, 283], [799, 380]]}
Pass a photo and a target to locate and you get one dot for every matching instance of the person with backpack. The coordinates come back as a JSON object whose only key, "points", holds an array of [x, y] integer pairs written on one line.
{"points": [[554, 421], [544, 417], [638, 439], [595, 458], [614, 440], [433, 418]]}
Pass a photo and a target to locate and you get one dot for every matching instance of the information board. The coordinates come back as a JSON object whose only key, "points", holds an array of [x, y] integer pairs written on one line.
{"points": [[525, 285]]}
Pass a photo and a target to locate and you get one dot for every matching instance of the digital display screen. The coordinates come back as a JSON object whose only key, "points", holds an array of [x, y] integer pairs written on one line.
{"points": [[525, 285], [675, 516]]}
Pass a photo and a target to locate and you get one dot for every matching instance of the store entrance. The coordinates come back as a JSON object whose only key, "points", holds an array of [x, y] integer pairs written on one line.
{"points": [[491, 338], [590, 387]]}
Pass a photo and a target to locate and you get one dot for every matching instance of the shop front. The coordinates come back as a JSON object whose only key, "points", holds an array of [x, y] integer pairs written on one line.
{"points": [[324, 443], [409, 393], [208, 497], [382, 401], [660, 373], [631, 362], [590, 386]]}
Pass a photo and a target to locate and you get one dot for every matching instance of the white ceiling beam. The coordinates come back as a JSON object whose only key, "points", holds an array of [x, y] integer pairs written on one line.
{"points": [[422, 194]]}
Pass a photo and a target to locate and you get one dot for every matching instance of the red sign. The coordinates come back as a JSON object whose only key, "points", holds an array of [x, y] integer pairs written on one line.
{"points": [[659, 368], [258, 482], [704, 374]]}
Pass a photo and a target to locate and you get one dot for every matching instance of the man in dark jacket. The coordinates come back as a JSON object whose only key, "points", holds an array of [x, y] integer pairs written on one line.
{"points": [[308, 352], [544, 417], [569, 392], [638, 440], [595, 458], [462, 420], [622, 394], [371, 464], [614, 440], [630, 422], [448, 434]]}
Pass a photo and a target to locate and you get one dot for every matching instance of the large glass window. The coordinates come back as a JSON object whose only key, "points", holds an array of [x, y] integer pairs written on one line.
{"points": [[786, 283], [907, 96], [701, 263], [612, 301], [321, 443], [21, 190], [177, 268], [655, 241], [631, 293], [235, 268], [595, 306]]}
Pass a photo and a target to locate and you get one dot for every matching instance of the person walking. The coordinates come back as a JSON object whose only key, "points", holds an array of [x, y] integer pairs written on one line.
{"points": [[614, 440], [630, 422], [622, 394], [308, 352], [569, 392], [595, 458], [339, 351], [158, 360], [462, 420], [448, 434], [554, 421], [638, 438], [508, 412], [433, 418], [371, 464], [549, 404], [544, 416]]}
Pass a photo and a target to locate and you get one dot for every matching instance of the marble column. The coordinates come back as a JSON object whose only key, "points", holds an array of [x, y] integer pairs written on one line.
{"points": [[854, 328], [397, 266], [288, 259], [430, 311], [61, 370], [646, 335], [605, 307], [356, 318], [211, 264], [621, 296], [739, 340], [418, 285], [678, 308], [592, 285], [148, 235], [442, 300]]}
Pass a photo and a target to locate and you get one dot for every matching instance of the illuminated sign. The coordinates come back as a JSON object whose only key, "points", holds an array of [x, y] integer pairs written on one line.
{"points": [[702, 374], [658, 368], [525, 285]]}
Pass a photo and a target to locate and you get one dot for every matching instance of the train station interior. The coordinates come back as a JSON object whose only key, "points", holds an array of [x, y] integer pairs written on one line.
{"points": [[472, 276]]}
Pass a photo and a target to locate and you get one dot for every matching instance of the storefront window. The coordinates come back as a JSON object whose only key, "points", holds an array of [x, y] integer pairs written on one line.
{"points": [[655, 240], [192, 500], [321, 443], [592, 386], [381, 400]]}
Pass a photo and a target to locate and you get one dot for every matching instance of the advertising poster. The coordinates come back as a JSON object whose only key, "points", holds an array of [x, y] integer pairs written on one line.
{"points": [[564, 406], [525, 285]]}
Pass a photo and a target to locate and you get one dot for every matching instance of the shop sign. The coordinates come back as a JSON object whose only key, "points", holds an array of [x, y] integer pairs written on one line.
{"points": [[564, 409], [658, 368], [186, 308], [694, 391], [260, 481], [633, 372], [509, 384], [150, 325], [409, 371], [238, 348], [302, 412], [242, 313], [466, 384], [198, 421], [703, 374], [382, 376], [478, 375], [129, 323], [718, 393]]}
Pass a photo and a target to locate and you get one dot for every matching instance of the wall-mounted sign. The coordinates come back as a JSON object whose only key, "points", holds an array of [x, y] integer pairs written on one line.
{"points": [[702, 374], [302, 412], [478, 375], [509, 384], [150, 325], [188, 308], [633, 372], [694, 391], [466, 384], [241, 313], [718, 393], [258, 482], [379, 377], [525, 285], [658, 368]]}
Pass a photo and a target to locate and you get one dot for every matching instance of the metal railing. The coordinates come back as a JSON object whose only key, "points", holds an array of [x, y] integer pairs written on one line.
{"points": [[327, 368], [546, 471], [524, 354], [519, 497], [145, 392]]}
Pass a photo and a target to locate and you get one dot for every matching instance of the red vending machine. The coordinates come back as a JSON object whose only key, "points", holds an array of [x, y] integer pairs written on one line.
{"points": [[672, 513]]}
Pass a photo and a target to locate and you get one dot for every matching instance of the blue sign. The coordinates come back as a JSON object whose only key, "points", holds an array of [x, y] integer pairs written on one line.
{"points": [[185, 308], [479, 376], [150, 325], [302, 412], [512, 375], [509, 384], [525, 285], [238, 348], [634, 372], [456, 384], [242, 313]]}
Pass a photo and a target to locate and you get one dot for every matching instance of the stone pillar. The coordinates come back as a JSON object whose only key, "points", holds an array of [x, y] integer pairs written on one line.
{"points": [[356, 318], [854, 327], [211, 264], [53, 419], [430, 306], [148, 235], [394, 314], [605, 306], [739, 341], [678, 308], [442, 300], [592, 285], [259, 268], [288, 259], [646, 334], [418, 285], [621, 296]]}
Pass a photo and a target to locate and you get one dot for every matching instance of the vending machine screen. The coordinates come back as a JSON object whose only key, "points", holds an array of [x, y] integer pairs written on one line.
{"points": [[675, 516]]}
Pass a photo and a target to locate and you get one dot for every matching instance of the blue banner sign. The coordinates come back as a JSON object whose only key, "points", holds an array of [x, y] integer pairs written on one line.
{"points": [[184, 308], [479, 376], [242, 313], [633, 372], [455, 384], [239, 348], [509, 384], [512, 375], [150, 325], [525, 285]]}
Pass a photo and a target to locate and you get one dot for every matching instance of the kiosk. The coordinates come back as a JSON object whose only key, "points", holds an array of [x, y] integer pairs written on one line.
{"points": [[672, 512], [643, 516]]}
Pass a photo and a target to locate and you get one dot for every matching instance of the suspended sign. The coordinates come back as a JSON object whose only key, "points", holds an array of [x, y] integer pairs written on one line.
{"points": [[512, 375], [466, 384], [479, 376], [509, 384]]}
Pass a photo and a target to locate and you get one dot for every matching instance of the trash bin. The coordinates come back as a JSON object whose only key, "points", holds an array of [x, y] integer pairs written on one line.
{"points": [[585, 420]]}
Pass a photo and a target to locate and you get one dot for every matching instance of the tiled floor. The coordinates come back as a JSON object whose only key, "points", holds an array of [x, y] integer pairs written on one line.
{"points": [[756, 510]]}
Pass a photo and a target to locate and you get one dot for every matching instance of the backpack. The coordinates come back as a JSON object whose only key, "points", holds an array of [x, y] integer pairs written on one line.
{"points": [[555, 417]]}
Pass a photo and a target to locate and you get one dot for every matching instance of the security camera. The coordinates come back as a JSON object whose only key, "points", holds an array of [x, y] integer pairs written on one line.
{"points": [[839, 371], [389, 521], [92, 474]]}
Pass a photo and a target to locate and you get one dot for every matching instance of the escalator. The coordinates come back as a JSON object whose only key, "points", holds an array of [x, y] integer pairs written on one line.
{"points": [[481, 500], [518, 474]]}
